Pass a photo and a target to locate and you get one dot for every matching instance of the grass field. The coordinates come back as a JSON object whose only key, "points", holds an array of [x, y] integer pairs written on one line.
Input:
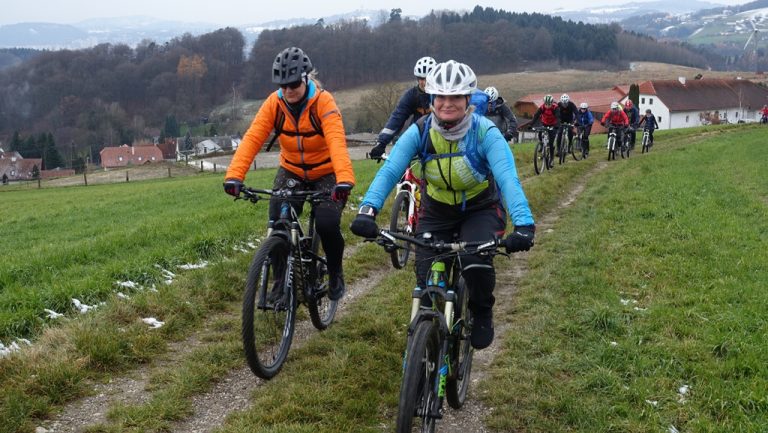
{"points": [[642, 309]]}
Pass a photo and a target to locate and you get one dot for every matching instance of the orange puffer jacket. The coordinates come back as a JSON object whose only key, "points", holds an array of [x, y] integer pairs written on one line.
{"points": [[309, 157]]}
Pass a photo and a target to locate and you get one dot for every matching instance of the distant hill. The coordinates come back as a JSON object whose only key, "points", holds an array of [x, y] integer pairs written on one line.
{"points": [[622, 12], [132, 30]]}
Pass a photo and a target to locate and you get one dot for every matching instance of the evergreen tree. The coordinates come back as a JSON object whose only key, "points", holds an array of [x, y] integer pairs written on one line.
{"points": [[634, 94]]}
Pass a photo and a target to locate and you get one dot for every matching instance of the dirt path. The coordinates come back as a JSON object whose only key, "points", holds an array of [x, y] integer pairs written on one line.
{"points": [[233, 392], [508, 274]]}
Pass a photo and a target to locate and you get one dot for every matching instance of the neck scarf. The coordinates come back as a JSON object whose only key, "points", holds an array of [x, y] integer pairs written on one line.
{"points": [[455, 131]]}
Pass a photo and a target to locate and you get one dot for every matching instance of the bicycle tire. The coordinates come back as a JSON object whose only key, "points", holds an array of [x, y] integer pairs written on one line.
{"points": [[420, 373], [267, 325], [624, 148], [321, 309], [561, 151], [645, 144], [538, 158], [457, 384], [398, 223], [611, 148], [576, 150]]}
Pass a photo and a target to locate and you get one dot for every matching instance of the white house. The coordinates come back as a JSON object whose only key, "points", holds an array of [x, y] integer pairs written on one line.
{"points": [[686, 103]]}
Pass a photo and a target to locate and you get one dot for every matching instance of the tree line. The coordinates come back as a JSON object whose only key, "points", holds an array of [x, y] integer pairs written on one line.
{"points": [[114, 94]]}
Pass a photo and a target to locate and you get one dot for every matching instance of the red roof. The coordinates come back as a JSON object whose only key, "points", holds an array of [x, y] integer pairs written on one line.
{"points": [[706, 94], [598, 100], [125, 155]]}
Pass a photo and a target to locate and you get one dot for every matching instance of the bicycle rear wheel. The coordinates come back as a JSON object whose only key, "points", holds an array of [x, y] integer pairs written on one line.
{"points": [[457, 384], [398, 223], [321, 309], [417, 391], [269, 309]]}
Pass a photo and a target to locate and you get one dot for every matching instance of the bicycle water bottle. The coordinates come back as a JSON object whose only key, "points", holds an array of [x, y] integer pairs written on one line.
{"points": [[437, 274]]}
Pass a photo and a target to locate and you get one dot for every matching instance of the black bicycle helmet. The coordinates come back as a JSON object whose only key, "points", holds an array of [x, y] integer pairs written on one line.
{"points": [[290, 65]]}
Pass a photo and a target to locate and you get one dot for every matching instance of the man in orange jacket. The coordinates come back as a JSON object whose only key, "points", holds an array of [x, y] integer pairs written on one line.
{"points": [[313, 151]]}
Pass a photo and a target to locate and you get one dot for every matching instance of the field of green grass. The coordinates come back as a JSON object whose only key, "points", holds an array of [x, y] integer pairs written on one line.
{"points": [[642, 309]]}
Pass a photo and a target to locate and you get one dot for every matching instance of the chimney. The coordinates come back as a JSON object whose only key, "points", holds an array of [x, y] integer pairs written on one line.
{"points": [[681, 80]]}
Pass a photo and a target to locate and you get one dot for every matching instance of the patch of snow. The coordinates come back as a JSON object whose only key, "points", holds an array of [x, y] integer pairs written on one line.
{"points": [[82, 308], [682, 392], [152, 322], [122, 295], [653, 403], [188, 266], [52, 314], [128, 284], [672, 429]]}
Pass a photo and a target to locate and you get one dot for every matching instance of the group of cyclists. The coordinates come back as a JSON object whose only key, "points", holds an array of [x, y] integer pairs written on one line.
{"points": [[562, 117], [468, 173]]}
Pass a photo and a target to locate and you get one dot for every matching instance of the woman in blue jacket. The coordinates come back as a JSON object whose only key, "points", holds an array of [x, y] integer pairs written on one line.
{"points": [[585, 119], [464, 159]]}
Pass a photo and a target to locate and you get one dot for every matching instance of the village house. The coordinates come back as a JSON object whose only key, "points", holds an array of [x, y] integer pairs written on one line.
{"points": [[123, 156], [13, 167], [686, 103]]}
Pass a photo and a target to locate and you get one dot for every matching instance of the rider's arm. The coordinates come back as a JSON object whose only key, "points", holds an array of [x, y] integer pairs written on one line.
{"points": [[497, 153], [335, 138], [406, 147], [254, 138], [511, 120], [405, 108]]}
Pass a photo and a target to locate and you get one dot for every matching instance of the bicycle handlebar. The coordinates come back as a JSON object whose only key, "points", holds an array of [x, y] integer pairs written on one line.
{"points": [[255, 194], [387, 238]]}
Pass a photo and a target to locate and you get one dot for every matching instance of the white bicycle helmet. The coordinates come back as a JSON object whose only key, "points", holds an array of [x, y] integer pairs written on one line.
{"points": [[423, 66], [564, 98], [614, 105], [451, 78], [492, 93], [584, 105]]}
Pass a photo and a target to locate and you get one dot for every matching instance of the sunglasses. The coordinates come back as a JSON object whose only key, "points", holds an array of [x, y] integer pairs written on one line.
{"points": [[293, 86]]}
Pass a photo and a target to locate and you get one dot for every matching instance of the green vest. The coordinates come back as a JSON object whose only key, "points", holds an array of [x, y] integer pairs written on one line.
{"points": [[449, 178]]}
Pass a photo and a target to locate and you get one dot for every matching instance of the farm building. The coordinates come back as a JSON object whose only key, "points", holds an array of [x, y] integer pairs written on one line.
{"points": [[125, 155]]}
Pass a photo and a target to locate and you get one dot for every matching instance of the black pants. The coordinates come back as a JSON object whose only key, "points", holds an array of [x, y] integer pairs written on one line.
{"points": [[327, 215], [480, 221]]}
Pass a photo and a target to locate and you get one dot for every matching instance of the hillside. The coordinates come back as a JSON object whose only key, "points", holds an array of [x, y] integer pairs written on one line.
{"points": [[640, 307]]}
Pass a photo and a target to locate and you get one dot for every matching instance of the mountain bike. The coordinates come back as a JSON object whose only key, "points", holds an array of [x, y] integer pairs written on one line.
{"points": [[405, 213], [611, 144], [542, 156], [563, 149], [646, 141], [580, 147], [626, 143], [437, 362], [288, 268]]}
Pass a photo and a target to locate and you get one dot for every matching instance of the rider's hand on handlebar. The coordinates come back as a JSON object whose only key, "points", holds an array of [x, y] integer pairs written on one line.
{"points": [[377, 151], [233, 187], [341, 191], [364, 224], [521, 239]]}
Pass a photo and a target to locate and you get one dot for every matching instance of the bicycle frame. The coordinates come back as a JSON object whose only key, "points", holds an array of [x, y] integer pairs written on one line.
{"points": [[412, 185]]}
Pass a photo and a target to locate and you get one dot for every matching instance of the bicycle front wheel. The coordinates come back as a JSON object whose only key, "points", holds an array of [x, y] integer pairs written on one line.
{"points": [[418, 391], [645, 143], [269, 309], [457, 384], [539, 158], [562, 153], [321, 309], [611, 149], [398, 223], [576, 150]]}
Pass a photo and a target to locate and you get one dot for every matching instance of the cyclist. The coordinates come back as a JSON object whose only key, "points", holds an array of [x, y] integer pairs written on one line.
{"points": [[764, 114], [633, 115], [585, 119], [549, 113], [318, 160], [650, 124], [568, 114], [615, 119], [464, 157], [413, 104], [500, 114]]}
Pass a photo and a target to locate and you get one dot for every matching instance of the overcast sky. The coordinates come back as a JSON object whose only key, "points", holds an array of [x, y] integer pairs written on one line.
{"points": [[238, 12]]}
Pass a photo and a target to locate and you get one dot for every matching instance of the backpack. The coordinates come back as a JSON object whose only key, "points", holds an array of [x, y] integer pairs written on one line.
{"points": [[314, 119], [480, 100]]}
